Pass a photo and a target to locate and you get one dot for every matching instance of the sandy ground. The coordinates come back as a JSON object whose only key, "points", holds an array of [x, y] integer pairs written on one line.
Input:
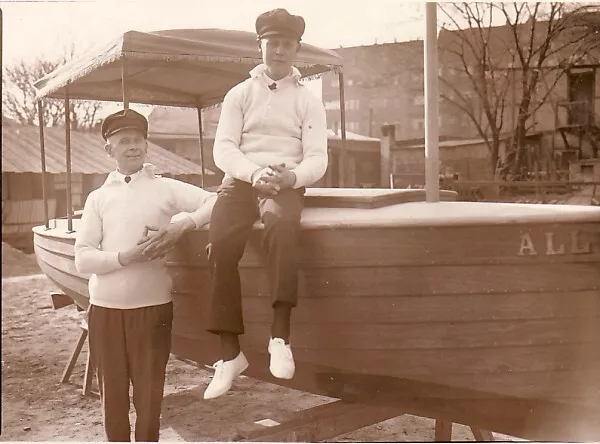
{"points": [[37, 342]]}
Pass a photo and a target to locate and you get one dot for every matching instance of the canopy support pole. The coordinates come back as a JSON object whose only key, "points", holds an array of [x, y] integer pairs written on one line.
{"points": [[124, 83], [40, 106], [342, 161], [432, 184], [68, 160], [201, 140]]}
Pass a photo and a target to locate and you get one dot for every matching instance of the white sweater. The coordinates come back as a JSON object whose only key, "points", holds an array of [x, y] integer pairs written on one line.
{"points": [[259, 127], [115, 217]]}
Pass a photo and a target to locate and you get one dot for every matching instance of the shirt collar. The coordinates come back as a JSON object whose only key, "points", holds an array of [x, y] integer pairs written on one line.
{"points": [[148, 170], [260, 72]]}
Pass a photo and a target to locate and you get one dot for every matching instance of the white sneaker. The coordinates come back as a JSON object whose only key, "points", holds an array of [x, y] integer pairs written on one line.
{"points": [[225, 373], [282, 361]]}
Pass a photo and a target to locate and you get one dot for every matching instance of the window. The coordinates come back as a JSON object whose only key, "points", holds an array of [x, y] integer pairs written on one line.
{"points": [[350, 82], [332, 104], [352, 104], [417, 124]]}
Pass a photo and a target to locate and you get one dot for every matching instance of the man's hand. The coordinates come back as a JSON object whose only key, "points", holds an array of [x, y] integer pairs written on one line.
{"points": [[283, 176], [265, 182], [156, 243], [133, 255], [159, 244]]}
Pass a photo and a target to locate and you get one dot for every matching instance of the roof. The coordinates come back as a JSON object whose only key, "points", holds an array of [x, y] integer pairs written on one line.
{"points": [[331, 135], [172, 122], [21, 153], [181, 67], [182, 123], [451, 143]]}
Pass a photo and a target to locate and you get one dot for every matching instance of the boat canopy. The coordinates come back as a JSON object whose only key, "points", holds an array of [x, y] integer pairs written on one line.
{"points": [[159, 67]]}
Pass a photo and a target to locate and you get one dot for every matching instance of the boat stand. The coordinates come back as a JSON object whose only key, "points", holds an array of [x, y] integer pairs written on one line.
{"points": [[336, 418], [60, 300]]}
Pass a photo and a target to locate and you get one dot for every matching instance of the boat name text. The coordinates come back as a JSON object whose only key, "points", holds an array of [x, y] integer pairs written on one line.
{"points": [[554, 247]]}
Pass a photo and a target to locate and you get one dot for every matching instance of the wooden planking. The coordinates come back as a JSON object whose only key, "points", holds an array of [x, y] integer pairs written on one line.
{"points": [[426, 336], [325, 421], [527, 418], [456, 360], [62, 263], [56, 245], [367, 198], [358, 281], [463, 361], [422, 245], [26, 211], [73, 286], [443, 431], [405, 281], [409, 309], [571, 386]]}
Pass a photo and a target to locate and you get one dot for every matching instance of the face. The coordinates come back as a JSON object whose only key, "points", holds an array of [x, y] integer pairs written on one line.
{"points": [[278, 54], [128, 148]]}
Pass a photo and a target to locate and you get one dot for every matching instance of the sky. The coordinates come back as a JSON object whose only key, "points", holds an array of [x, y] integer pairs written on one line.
{"points": [[45, 28]]}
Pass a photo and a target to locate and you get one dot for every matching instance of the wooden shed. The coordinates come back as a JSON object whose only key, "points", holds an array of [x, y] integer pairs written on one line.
{"points": [[22, 204]]}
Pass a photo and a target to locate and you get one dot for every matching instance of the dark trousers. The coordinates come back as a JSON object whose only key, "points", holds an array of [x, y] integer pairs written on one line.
{"points": [[131, 345], [237, 207]]}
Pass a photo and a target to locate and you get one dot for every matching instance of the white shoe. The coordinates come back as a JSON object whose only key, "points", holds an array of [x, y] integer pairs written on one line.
{"points": [[282, 361], [225, 373]]}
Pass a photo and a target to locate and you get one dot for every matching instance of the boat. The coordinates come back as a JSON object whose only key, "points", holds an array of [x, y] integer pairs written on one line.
{"points": [[485, 314]]}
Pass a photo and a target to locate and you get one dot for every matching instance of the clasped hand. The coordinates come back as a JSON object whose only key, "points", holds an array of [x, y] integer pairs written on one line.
{"points": [[153, 246], [269, 181]]}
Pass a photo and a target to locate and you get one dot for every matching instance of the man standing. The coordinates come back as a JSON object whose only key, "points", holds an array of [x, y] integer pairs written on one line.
{"points": [[125, 233], [271, 142]]}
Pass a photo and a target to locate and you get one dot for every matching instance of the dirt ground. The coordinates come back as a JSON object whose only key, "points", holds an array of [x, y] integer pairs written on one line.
{"points": [[37, 342]]}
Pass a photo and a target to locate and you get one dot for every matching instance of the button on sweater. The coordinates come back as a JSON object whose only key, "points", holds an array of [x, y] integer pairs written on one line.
{"points": [[261, 126], [115, 217]]}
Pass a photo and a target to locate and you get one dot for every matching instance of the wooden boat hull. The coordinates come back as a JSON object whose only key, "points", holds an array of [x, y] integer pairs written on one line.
{"points": [[491, 324]]}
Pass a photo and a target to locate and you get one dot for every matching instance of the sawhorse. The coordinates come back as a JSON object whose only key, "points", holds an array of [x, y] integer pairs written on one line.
{"points": [[336, 418], [60, 300]]}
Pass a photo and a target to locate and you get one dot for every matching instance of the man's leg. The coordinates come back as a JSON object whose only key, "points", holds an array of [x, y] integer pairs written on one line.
{"points": [[109, 359], [281, 217], [231, 222], [148, 331]]}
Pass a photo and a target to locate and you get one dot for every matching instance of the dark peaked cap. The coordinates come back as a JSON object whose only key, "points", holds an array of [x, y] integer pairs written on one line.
{"points": [[122, 120], [281, 22]]}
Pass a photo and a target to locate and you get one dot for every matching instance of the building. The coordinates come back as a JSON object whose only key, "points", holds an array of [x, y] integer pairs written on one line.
{"points": [[383, 86], [22, 200]]}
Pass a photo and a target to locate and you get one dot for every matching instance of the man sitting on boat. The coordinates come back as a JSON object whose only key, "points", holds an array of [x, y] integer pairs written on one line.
{"points": [[125, 232], [271, 142]]}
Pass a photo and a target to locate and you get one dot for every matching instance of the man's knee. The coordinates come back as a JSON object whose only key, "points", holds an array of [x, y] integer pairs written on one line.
{"points": [[281, 229], [225, 249]]}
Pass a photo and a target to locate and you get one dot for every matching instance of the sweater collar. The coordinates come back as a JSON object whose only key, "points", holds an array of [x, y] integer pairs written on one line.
{"points": [[148, 170], [260, 72]]}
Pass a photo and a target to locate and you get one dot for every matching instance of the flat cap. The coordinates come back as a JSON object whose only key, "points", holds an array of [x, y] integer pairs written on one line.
{"points": [[122, 120], [280, 22]]}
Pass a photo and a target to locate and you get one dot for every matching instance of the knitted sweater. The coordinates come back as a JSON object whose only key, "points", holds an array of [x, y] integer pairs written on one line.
{"points": [[115, 217], [261, 126]]}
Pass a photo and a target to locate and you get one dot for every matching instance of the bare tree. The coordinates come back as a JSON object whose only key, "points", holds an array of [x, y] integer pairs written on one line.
{"points": [[18, 96], [530, 52]]}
